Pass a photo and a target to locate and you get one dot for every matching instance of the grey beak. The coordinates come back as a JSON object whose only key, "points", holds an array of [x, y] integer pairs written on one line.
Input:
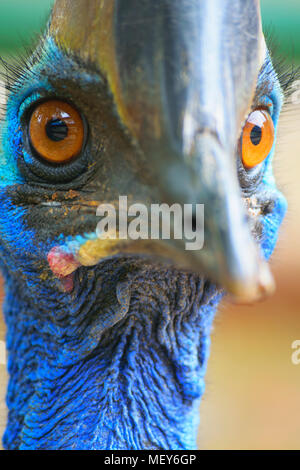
{"points": [[183, 74], [194, 71]]}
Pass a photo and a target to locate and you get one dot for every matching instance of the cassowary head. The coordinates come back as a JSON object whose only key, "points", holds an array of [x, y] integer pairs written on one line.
{"points": [[170, 101]]}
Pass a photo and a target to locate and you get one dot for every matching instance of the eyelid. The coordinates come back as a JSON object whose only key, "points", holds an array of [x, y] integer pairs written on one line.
{"points": [[266, 103], [33, 98]]}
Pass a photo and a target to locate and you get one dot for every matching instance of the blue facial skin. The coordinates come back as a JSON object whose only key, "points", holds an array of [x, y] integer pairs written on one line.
{"points": [[118, 363]]}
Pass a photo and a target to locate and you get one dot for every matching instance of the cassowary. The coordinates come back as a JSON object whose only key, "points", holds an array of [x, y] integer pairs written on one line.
{"points": [[170, 101]]}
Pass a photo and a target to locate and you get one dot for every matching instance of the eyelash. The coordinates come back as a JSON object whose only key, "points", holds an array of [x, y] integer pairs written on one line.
{"points": [[283, 71]]}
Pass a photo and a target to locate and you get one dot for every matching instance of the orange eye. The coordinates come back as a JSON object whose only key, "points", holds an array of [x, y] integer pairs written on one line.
{"points": [[56, 131], [258, 138]]}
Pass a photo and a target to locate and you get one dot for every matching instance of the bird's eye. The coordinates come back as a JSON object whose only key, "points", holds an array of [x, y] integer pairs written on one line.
{"points": [[257, 138], [56, 131]]}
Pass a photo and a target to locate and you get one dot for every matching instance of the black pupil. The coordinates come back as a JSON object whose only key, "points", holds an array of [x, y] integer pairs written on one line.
{"points": [[256, 135], [56, 130]]}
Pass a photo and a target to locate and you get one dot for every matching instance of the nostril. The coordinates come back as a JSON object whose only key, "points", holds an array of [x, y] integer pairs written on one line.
{"points": [[267, 207]]}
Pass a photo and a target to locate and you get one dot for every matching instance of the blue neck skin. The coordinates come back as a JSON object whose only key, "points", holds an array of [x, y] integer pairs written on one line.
{"points": [[117, 364]]}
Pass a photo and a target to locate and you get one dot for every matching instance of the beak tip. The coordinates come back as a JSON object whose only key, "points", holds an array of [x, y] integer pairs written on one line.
{"points": [[255, 290]]}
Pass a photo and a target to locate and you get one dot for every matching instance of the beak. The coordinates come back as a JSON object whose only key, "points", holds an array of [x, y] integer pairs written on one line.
{"points": [[183, 76]]}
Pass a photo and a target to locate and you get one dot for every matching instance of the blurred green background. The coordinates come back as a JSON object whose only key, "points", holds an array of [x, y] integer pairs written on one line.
{"points": [[253, 389], [20, 19]]}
